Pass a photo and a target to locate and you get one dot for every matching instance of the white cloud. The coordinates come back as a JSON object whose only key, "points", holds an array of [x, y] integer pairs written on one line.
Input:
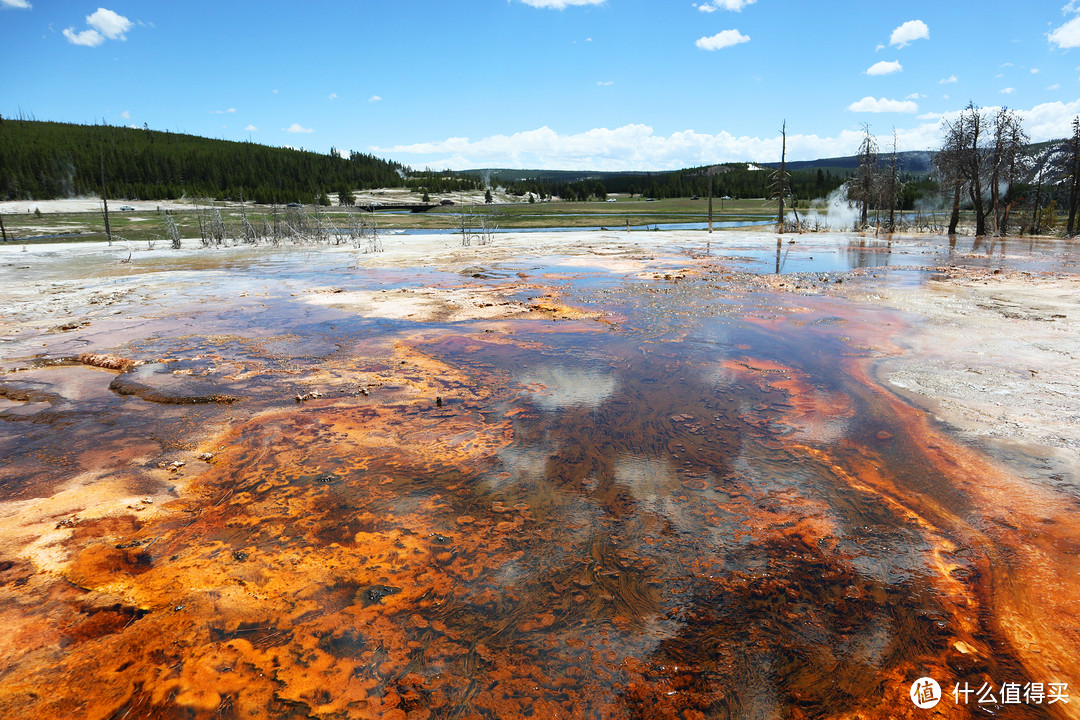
{"points": [[733, 5], [86, 38], [721, 40], [109, 24], [884, 68], [126, 114], [879, 47], [605, 83], [951, 80], [20, 4], [1007, 91], [1055, 86], [638, 147], [914, 96], [631, 147], [333, 96], [297, 128], [223, 112], [560, 4], [1049, 121], [251, 128], [1066, 36], [104, 24], [881, 105], [1034, 71], [909, 32], [374, 98]]}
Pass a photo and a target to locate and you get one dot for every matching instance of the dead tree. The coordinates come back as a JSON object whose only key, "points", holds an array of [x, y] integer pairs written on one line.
{"points": [[1009, 141], [711, 172], [973, 164], [1074, 178], [891, 187], [3, 230], [105, 199], [1013, 161], [174, 232], [779, 187], [948, 162], [864, 189]]}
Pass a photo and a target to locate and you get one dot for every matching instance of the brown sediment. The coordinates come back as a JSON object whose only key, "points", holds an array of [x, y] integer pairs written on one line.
{"points": [[107, 361]]}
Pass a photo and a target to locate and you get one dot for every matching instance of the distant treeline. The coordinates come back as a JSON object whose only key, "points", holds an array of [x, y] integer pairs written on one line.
{"points": [[739, 180], [46, 160]]}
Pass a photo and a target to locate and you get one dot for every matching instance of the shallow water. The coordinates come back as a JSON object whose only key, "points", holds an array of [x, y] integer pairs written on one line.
{"points": [[701, 507]]}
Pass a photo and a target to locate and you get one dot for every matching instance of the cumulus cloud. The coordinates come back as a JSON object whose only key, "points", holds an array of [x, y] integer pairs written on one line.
{"points": [[951, 80], [605, 83], [882, 105], [639, 147], [126, 114], [721, 40], [560, 4], [251, 128], [109, 24], [297, 128], [333, 96], [223, 112], [1068, 35], [733, 5], [86, 38], [1007, 91], [104, 25], [884, 68], [20, 4], [1055, 86], [909, 32], [374, 98], [631, 147]]}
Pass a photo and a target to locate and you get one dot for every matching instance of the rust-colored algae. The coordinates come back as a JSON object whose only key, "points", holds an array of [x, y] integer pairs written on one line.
{"points": [[685, 515]]}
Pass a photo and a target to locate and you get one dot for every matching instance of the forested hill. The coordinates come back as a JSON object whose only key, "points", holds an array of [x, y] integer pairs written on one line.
{"points": [[44, 160]]}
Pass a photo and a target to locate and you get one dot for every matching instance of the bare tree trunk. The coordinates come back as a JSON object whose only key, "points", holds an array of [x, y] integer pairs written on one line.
{"points": [[710, 201], [975, 192], [105, 200], [1035, 206], [3, 231], [783, 178], [954, 216], [1074, 177], [893, 190]]}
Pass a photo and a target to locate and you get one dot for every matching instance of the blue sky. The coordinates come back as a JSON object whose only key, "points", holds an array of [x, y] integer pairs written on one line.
{"points": [[573, 84]]}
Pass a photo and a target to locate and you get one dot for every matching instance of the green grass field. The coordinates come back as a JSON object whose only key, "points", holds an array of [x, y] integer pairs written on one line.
{"points": [[149, 226]]}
